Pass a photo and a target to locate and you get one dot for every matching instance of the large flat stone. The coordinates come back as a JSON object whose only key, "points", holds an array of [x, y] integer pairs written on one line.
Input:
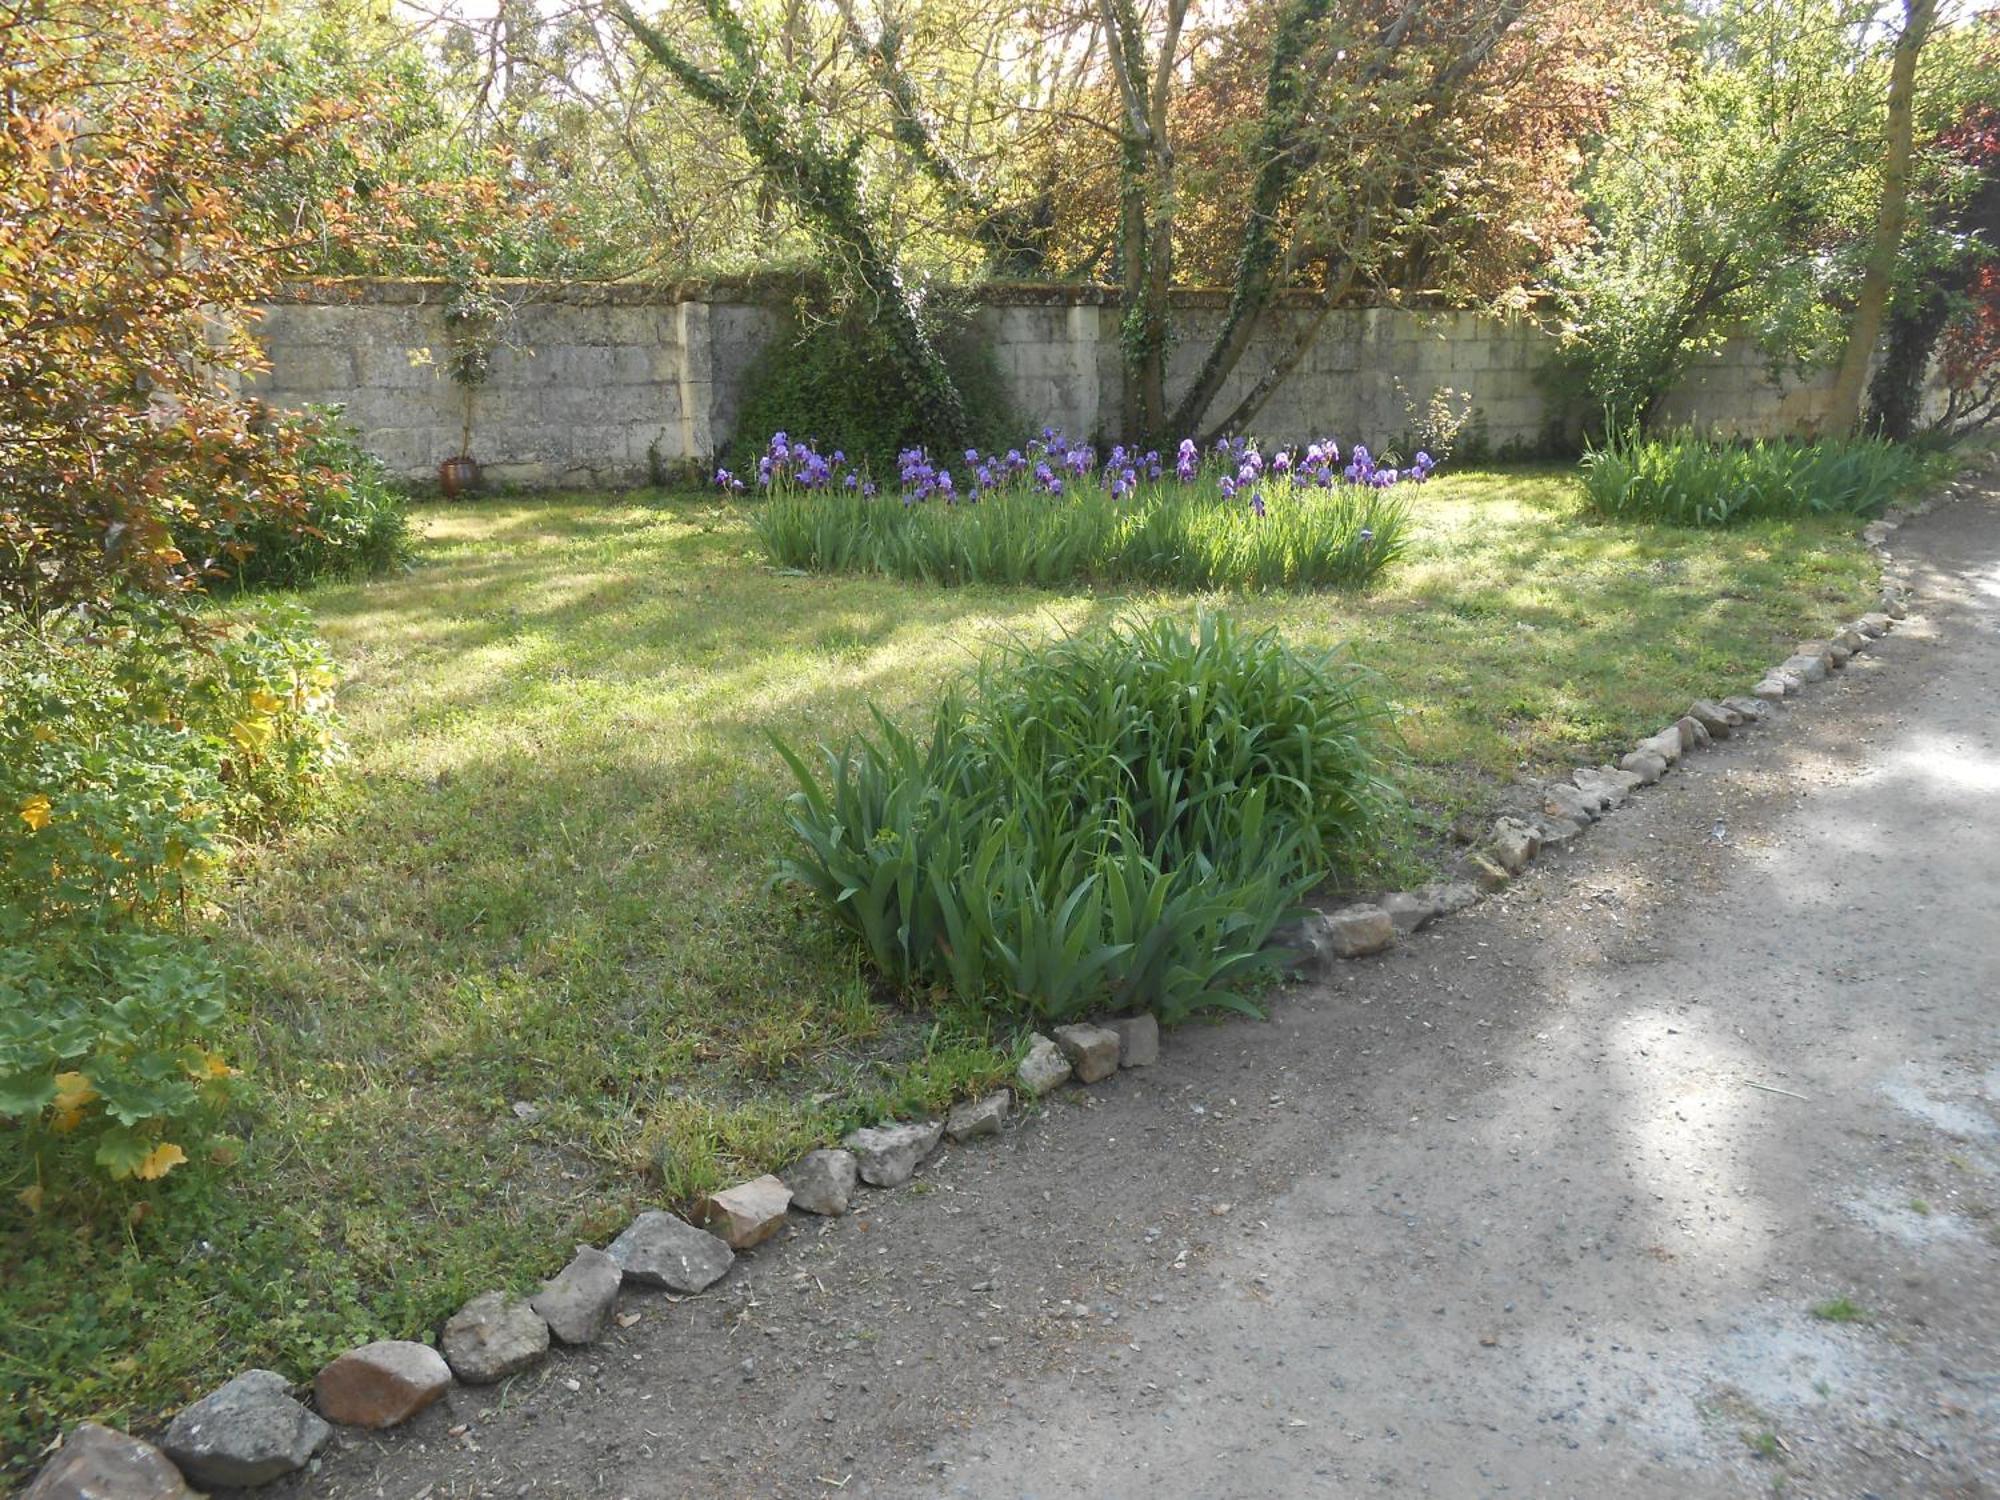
{"points": [[1452, 896], [660, 1250], [1043, 1068], [98, 1463], [1409, 910], [1358, 930], [1138, 1039], [1514, 844], [1667, 744], [1717, 718], [747, 1214], [380, 1384], [493, 1336], [1556, 831], [887, 1155], [1643, 764], [973, 1118], [1092, 1051], [822, 1181], [577, 1302], [1562, 799], [1607, 786], [245, 1433]]}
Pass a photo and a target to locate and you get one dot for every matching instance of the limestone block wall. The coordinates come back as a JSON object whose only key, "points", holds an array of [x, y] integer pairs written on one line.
{"points": [[610, 385]]}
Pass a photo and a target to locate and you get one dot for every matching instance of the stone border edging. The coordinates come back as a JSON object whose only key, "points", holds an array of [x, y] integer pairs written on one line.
{"points": [[251, 1430]]}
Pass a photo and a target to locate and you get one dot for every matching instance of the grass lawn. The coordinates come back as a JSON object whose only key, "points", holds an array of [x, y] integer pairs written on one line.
{"points": [[532, 974]]}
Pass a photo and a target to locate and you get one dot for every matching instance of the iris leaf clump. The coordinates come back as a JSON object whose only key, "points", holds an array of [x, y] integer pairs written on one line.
{"points": [[1109, 823]]}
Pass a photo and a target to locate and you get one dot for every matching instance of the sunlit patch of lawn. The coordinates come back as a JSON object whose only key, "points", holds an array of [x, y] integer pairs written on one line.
{"points": [[547, 887]]}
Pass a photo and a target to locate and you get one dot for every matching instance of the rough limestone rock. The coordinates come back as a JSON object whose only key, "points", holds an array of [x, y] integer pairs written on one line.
{"points": [[1606, 785], [1300, 942], [1556, 831], [1452, 896], [1643, 764], [1354, 931], [1873, 626], [747, 1214], [577, 1301], [887, 1155], [1771, 689], [1043, 1068], [1409, 910], [1694, 735], [1560, 799], [823, 1181], [380, 1384], [976, 1117], [1805, 668], [660, 1250], [1718, 719], [1754, 710], [1138, 1039], [1092, 1051], [1483, 871], [97, 1463], [1514, 844], [248, 1432], [492, 1337], [1667, 744]]}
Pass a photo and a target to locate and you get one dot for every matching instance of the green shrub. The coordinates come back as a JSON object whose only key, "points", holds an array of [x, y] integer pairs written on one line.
{"points": [[1686, 480], [129, 754], [1177, 536], [837, 385], [1111, 822], [349, 519]]}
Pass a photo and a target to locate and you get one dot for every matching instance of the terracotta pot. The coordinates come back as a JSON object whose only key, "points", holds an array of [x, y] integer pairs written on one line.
{"points": [[458, 476]]}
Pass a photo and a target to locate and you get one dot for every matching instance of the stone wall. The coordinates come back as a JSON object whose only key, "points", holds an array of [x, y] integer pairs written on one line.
{"points": [[606, 385]]}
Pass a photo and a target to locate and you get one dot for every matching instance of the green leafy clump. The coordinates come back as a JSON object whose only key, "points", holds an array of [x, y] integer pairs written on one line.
{"points": [[1167, 535], [840, 385], [346, 520], [1111, 822], [129, 754], [1685, 480]]}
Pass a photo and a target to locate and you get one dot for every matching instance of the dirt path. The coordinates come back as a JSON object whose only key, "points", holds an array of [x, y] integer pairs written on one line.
{"points": [[1538, 1204]]}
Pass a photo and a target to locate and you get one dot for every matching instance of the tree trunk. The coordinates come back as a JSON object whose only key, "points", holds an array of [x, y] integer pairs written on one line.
{"points": [[1281, 157], [1843, 407], [1145, 210], [1917, 316], [821, 179]]}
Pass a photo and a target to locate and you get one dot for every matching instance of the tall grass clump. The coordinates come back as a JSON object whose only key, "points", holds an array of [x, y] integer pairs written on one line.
{"points": [[1052, 514], [1110, 822], [1685, 480]]}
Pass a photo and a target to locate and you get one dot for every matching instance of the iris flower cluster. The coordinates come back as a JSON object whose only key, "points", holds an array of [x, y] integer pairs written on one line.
{"points": [[1052, 461]]}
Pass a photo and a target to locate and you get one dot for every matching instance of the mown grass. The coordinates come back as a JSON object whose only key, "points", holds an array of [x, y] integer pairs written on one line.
{"points": [[547, 886]]}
